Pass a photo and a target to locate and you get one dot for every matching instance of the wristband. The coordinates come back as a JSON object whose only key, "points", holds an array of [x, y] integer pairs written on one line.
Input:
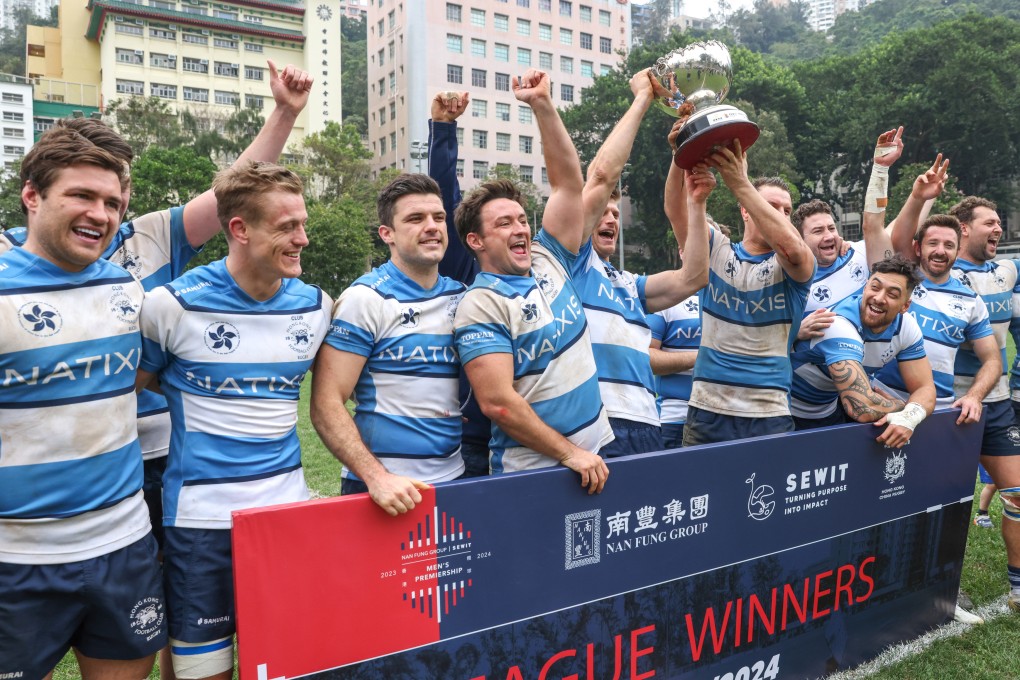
{"points": [[877, 196], [910, 417]]}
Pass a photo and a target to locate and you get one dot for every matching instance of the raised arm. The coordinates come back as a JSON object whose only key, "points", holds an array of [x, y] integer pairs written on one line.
{"points": [[604, 170], [491, 377], [563, 218], [333, 380], [781, 236], [925, 190], [290, 89], [877, 243], [674, 202]]}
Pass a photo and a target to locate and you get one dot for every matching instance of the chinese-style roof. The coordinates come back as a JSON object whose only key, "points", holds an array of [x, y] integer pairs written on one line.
{"points": [[100, 8]]}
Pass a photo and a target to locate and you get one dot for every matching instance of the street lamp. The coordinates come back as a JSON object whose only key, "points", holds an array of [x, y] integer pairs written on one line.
{"points": [[419, 151]]}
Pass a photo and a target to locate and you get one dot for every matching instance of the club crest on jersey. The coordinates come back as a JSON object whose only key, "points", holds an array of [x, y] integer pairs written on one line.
{"points": [[123, 308], [451, 307], [222, 337], [409, 317], [857, 272], [129, 260], [956, 307], [691, 305], [147, 616], [546, 286], [765, 270], [39, 318], [821, 294], [1000, 280], [299, 337], [530, 313]]}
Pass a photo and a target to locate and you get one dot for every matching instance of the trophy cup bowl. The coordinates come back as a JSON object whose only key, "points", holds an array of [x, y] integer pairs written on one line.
{"points": [[700, 74]]}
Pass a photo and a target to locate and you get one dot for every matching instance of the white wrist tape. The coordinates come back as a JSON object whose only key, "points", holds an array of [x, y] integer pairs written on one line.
{"points": [[910, 417], [877, 196]]}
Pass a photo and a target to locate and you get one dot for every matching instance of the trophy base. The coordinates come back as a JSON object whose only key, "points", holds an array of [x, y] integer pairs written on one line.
{"points": [[710, 128]]}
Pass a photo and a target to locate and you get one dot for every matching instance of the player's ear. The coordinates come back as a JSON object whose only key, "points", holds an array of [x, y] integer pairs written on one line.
{"points": [[386, 234], [238, 230], [474, 241]]}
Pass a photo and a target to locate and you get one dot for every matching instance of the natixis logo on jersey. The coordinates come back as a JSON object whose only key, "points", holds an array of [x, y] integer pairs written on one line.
{"points": [[147, 617], [222, 337], [582, 546], [299, 337], [759, 505], [410, 316], [123, 308], [41, 319]]}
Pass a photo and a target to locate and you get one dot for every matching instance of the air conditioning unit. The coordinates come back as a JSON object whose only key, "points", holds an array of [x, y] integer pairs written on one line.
{"points": [[205, 32], [139, 53], [139, 22], [203, 62], [172, 27], [118, 19], [235, 36], [234, 66]]}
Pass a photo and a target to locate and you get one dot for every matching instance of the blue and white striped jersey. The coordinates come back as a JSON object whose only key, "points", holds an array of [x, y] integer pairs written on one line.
{"points": [[538, 320], [994, 282], [948, 314], [678, 329], [614, 304], [70, 464], [231, 369], [750, 313], [1014, 330], [841, 279], [12, 238], [408, 410], [814, 395]]}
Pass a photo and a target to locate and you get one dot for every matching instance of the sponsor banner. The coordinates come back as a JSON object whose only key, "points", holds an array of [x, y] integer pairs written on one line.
{"points": [[783, 556]]}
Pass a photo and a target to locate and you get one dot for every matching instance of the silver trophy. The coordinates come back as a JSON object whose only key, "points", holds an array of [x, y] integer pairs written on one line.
{"points": [[699, 76]]}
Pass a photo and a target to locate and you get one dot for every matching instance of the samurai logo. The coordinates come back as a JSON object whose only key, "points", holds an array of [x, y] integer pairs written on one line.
{"points": [[39, 318], [409, 317], [222, 338], [759, 506], [895, 466], [530, 313]]}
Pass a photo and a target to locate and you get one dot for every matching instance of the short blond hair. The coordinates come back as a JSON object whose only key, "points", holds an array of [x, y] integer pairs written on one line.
{"points": [[240, 190]]}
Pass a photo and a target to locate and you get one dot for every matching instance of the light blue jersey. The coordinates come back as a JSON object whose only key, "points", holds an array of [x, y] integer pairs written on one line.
{"points": [[231, 368], [1014, 330], [750, 314], [614, 304], [994, 282], [847, 339], [841, 279], [948, 314], [540, 322], [679, 330], [407, 406], [70, 464]]}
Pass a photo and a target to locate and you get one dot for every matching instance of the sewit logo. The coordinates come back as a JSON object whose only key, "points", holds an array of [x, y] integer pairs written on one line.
{"points": [[759, 506]]}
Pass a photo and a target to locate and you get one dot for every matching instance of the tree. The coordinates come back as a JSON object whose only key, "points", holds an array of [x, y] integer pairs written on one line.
{"points": [[162, 177], [354, 75], [13, 40], [146, 121], [760, 28], [336, 164], [10, 198], [533, 203], [340, 247]]}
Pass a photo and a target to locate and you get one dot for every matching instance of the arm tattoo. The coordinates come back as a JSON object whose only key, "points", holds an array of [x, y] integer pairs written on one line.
{"points": [[856, 394]]}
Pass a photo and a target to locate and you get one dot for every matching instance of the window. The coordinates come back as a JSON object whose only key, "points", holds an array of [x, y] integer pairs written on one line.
{"points": [[566, 36], [545, 176], [478, 17], [585, 13], [545, 5], [566, 8], [479, 108], [503, 84], [503, 112], [524, 114], [382, 145], [528, 173], [164, 91], [196, 65], [382, 115], [393, 140], [586, 41], [157, 60], [454, 74], [524, 3], [501, 52], [129, 29], [544, 32], [501, 22], [195, 38], [18, 133], [224, 69], [253, 72], [227, 98], [393, 82], [196, 94], [605, 69], [454, 43], [161, 5], [523, 27], [392, 19], [43, 124], [523, 56], [162, 34], [480, 139], [252, 47], [545, 60], [478, 77], [452, 13], [252, 19], [225, 43], [605, 46], [14, 150], [479, 170], [124, 87], [224, 14], [477, 47], [189, 9], [567, 64], [393, 110], [525, 142], [502, 141], [604, 16], [587, 69], [567, 92], [460, 136], [460, 167], [14, 116], [253, 101], [129, 56]]}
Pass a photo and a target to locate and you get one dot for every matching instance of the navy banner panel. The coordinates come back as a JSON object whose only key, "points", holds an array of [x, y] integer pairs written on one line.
{"points": [[788, 556]]}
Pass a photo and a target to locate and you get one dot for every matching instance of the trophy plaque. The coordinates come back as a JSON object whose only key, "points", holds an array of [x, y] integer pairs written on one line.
{"points": [[700, 74]]}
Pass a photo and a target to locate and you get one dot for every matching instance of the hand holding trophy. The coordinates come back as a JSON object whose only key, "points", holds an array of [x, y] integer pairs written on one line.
{"points": [[699, 76]]}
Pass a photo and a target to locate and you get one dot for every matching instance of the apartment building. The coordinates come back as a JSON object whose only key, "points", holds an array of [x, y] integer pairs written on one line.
{"points": [[15, 119], [8, 8], [416, 49], [210, 57]]}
